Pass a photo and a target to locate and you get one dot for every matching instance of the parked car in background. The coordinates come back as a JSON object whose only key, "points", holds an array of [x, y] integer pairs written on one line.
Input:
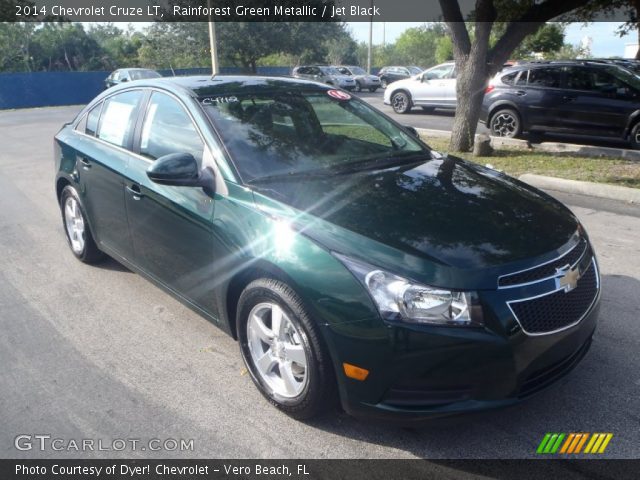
{"points": [[393, 74], [325, 74], [128, 74], [433, 88], [571, 97], [348, 259], [362, 78]]}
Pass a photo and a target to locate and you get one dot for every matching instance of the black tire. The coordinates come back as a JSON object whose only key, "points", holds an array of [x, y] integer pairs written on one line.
{"points": [[358, 87], [428, 109], [505, 123], [401, 102], [634, 138], [319, 392], [373, 89], [89, 251]]}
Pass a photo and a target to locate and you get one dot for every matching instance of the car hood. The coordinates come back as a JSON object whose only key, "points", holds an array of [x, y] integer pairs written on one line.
{"points": [[443, 211]]}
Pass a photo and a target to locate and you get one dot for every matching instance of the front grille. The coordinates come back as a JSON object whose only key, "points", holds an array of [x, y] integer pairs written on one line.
{"points": [[558, 310], [547, 270], [546, 376]]}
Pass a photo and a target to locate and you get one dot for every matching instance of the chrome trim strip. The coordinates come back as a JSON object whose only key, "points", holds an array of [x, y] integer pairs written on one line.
{"points": [[542, 265], [595, 298]]}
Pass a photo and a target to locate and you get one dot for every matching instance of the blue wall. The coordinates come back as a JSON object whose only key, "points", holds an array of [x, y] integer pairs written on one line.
{"points": [[45, 89]]}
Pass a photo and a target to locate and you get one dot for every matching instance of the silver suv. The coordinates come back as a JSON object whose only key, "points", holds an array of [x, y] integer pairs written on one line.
{"points": [[362, 78], [325, 74]]}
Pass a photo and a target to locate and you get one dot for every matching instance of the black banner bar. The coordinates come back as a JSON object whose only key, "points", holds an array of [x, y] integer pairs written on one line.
{"points": [[318, 469]]}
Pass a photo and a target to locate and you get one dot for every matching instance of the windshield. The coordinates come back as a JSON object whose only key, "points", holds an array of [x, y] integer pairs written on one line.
{"points": [[284, 133], [415, 70], [357, 71], [330, 70], [140, 74]]}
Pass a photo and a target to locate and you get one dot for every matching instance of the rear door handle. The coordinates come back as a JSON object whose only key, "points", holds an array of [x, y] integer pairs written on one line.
{"points": [[568, 98], [135, 192], [86, 164], [521, 93]]}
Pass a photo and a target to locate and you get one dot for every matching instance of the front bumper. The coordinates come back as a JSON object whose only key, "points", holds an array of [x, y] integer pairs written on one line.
{"points": [[423, 372]]}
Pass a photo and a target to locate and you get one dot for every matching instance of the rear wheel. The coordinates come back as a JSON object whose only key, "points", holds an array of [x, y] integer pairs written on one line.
{"points": [[358, 87], [283, 351], [635, 136], [77, 228], [505, 123], [401, 102]]}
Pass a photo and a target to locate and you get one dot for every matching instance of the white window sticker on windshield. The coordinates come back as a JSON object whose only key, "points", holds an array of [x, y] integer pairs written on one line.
{"points": [[339, 94], [218, 100]]}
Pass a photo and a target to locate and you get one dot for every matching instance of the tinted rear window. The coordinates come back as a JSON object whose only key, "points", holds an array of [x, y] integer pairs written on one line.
{"points": [[545, 77]]}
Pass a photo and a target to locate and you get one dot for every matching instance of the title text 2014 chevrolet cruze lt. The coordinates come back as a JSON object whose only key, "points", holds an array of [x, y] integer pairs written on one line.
{"points": [[350, 260]]}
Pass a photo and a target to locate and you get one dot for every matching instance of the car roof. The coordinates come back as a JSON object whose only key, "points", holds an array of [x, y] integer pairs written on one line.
{"points": [[204, 85]]}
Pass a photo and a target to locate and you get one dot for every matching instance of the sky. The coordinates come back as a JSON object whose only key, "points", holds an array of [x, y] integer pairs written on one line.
{"points": [[606, 43]]}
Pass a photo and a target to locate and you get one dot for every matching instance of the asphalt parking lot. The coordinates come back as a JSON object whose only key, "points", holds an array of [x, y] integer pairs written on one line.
{"points": [[100, 353]]}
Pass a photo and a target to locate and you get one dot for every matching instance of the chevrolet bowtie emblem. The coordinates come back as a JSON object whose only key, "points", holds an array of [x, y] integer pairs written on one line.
{"points": [[566, 278]]}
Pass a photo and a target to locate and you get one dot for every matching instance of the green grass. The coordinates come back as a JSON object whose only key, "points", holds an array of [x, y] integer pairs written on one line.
{"points": [[516, 162]]}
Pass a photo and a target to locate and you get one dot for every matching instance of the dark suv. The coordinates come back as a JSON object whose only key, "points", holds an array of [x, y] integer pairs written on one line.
{"points": [[570, 97]]}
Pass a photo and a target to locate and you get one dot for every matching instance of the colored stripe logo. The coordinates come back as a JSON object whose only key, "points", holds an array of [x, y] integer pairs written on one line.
{"points": [[573, 443]]}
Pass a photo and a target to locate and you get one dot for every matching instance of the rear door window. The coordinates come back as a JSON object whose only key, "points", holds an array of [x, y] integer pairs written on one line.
{"points": [[92, 118], [118, 118], [513, 78], [545, 77]]}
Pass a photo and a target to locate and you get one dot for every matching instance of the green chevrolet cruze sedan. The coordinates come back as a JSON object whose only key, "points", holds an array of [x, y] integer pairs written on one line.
{"points": [[349, 260]]}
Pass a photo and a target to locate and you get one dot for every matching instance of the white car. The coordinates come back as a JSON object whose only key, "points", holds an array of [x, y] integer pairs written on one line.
{"points": [[433, 88]]}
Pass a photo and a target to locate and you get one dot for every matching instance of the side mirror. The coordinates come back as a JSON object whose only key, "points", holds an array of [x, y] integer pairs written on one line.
{"points": [[181, 170], [412, 131]]}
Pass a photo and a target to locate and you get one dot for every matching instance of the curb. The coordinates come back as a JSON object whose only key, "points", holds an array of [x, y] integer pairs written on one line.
{"points": [[600, 190], [549, 147]]}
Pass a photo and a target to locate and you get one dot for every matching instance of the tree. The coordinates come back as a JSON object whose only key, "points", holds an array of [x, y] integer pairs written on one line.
{"points": [[417, 46], [15, 38], [477, 61]]}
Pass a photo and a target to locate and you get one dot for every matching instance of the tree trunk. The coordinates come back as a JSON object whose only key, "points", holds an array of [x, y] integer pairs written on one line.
{"points": [[471, 82]]}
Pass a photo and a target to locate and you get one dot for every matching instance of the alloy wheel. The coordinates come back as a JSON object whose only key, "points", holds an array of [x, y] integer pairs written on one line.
{"points": [[277, 350], [74, 223], [504, 125]]}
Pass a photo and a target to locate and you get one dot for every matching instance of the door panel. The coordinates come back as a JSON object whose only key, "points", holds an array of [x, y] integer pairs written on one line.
{"points": [[102, 166], [172, 226]]}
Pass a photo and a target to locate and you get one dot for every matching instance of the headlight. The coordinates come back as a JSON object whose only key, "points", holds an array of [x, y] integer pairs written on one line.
{"points": [[400, 299]]}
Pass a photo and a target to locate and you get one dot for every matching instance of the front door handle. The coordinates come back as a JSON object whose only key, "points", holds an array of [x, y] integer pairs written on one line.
{"points": [[568, 98], [521, 93], [135, 192]]}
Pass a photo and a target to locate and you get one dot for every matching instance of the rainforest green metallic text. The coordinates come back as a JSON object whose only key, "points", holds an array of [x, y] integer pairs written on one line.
{"points": [[328, 239]]}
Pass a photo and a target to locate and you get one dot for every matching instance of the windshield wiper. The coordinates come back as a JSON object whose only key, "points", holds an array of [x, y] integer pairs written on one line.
{"points": [[406, 158], [291, 175]]}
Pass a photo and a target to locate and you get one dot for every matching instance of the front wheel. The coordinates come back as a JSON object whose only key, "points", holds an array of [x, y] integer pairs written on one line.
{"points": [[358, 87], [401, 102], [77, 228], [505, 123], [283, 351], [373, 89]]}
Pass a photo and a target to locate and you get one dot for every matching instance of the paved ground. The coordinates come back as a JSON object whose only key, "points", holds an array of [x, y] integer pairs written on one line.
{"points": [[99, 352]]}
